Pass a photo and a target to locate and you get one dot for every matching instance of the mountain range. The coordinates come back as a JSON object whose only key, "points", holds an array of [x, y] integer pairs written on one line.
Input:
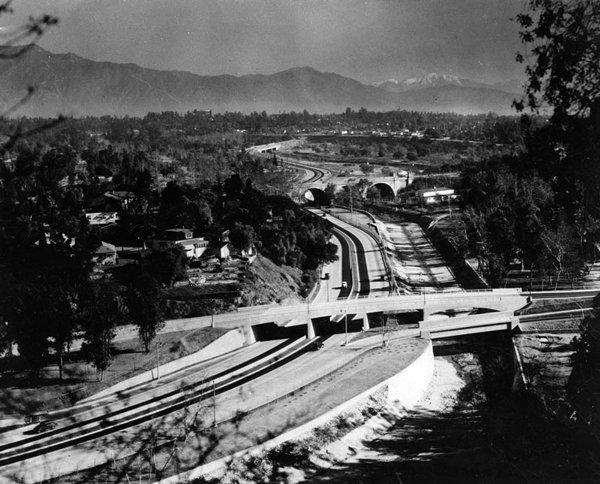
{"points": [[73, 85]]}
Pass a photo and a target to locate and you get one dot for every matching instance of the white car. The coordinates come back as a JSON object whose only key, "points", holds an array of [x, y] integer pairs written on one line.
{"points": [[344, 284]]}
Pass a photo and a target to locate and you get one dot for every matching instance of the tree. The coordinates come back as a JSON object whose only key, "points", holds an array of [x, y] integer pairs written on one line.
{"points": [[561, 250], [351, 194], [412, 156], [167, 266], [561, 40], [366, 168], [44, 296], [46, 247], [143, 303], [103, 309], [330, 191], [233, 187], [242, 236], [374, 194]]}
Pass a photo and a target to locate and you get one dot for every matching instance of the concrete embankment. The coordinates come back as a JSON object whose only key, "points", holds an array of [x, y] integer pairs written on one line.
{"points": [[402, 390]]}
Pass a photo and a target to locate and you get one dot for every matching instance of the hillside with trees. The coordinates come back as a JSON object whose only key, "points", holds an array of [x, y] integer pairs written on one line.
{"points": [[49, 292]]}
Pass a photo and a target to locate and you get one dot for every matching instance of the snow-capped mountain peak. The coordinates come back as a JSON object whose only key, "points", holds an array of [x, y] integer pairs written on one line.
{"points": [[432, 79]]}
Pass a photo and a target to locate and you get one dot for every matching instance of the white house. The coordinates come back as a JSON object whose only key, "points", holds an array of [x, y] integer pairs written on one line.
{"points": [[194, 247], [105, 255], [102, 218], [224, 252], [430, 196]]}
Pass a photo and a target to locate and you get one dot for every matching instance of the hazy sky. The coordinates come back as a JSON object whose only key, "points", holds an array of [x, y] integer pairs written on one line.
{"points": [[368, 40]]}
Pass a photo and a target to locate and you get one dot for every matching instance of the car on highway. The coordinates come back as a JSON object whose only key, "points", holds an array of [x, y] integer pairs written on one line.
{"points": [[45, 426], [344, 284]]}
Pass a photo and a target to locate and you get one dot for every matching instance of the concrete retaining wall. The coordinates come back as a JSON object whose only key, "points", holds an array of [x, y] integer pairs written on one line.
{"points": [[230, 341], [403, 389]]}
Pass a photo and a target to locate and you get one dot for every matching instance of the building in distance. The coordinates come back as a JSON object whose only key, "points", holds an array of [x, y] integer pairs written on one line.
{"points": [[102, 218], [430, 196], [194, 247]]}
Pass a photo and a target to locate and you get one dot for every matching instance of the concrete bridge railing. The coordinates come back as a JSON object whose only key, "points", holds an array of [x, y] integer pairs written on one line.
{"points": [[495, 300]]}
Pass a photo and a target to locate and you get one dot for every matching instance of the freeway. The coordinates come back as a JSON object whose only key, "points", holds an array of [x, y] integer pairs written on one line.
{"points": [[373, 275], [95, 441], [262, 363], [331, 289], [101, 417], [95, 418], [249, 377]]}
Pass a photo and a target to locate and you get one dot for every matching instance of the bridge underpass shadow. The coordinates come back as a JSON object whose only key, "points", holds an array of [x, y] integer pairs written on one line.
{"points": [[453, 346], [327, 327], [270, 331]]}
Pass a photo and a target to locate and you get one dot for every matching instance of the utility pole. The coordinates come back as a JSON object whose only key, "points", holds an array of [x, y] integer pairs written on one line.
{"points": [[346, 329], [214, 395], [157, 360]]}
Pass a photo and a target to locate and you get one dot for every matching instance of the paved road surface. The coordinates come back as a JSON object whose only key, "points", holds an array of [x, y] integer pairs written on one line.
{"points": [[330, 290], [368, 250]]}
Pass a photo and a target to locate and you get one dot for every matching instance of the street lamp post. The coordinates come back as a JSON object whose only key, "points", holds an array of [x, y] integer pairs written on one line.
{"points": [[345, 312], [214, 395], [326, 277], [157, 360]]}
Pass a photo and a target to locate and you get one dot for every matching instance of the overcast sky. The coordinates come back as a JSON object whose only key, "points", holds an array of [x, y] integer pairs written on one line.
{"points": [[367, 40]]}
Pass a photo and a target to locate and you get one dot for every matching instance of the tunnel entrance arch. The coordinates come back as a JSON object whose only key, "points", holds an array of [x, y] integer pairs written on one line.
{"points": [[316, 196], [381, 191]]}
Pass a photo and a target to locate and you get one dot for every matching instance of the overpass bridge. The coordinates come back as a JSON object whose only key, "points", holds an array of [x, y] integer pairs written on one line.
{"points": [[471, 324], [501, 305], [497, 300]]}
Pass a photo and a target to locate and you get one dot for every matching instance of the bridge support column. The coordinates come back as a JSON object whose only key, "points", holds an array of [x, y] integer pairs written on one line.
{"points": [[310, 329], [366, 325], [426, 313], [249, 335]]}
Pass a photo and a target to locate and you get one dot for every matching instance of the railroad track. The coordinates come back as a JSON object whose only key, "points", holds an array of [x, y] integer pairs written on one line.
{"points": [[578, 313], [317, 173]]}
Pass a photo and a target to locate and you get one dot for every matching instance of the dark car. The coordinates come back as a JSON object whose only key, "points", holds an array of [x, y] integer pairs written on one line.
{"points": [[316, 345], [45, 426]]}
